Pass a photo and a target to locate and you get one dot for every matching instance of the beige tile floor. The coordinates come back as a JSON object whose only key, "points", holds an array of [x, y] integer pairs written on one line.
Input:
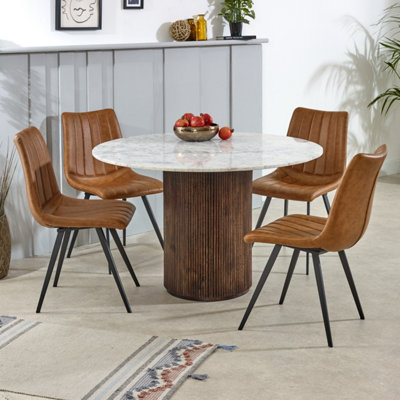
{"points": [[282, 352]]}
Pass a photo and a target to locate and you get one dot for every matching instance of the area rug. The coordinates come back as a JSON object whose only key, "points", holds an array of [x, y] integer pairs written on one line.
{"points": [[61, 362]]}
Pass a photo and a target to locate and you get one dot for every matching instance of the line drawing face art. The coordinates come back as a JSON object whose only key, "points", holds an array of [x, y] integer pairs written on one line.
{"points": [[82, 10], [79, 11]]}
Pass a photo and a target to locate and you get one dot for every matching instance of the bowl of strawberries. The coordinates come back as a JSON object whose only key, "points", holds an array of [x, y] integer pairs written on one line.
{"points": [[195, 128]]}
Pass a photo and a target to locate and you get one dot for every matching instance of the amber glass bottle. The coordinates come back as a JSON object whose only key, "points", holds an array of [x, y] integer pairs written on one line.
{"points": [[201, 28], [192, 25]]}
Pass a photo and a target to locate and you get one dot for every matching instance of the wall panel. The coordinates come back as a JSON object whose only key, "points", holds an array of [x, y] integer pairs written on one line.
{"points": [[100, 80], [138, 94], [72, 94], [247, 93], [197, 80]]}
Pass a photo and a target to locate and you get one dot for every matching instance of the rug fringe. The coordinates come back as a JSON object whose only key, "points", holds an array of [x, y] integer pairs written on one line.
{"points": [[29, 394], [199, 377], [227, 348]]}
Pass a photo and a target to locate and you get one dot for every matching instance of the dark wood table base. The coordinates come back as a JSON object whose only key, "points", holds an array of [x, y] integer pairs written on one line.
{"points": [[206, 216]]}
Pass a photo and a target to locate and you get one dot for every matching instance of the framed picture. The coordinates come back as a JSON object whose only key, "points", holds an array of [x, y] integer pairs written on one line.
{"points": [[78, 14], [133, 4]]}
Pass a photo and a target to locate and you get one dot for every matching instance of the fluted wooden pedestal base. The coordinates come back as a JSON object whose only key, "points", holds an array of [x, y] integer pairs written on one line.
{"points": [[206, 216]]}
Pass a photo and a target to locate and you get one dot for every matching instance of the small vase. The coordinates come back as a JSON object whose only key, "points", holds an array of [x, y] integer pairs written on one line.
{"points": [[201, 28], [236, 28], [192, 25], [5, 246]]}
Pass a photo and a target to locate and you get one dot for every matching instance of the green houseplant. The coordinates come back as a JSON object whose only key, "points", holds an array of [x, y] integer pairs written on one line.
{"points": [[237, 13], [7, 170], [390, 46]]}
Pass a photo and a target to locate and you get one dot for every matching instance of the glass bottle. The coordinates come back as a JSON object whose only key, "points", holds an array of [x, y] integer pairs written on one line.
{"points": [[201, 28], [192, 25]]}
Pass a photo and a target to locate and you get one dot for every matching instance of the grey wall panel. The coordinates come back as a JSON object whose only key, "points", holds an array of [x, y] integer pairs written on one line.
{"points": [[138, 91], [247, 94], [215, 83], [100, 80], [73, 94], [138, 97], [44, 103], [197, 80], [247, 88], [182, 84], [14, 116]]}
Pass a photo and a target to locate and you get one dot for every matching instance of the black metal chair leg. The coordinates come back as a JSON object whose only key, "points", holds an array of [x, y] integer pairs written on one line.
{"points": [[322, 298], [153, 220], [326, 202], [73, 240], [108, 244], [52, 261], [289, 275], [62, 256], [350, 280], [114, 270], [124, 233], [286, 208], [263, 212], [76, 231], [307, 253], [124, 256], [108, 237], [261, 282]]}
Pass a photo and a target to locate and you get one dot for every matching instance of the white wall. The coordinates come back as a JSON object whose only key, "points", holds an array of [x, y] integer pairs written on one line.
{"points": [[320, 56]]}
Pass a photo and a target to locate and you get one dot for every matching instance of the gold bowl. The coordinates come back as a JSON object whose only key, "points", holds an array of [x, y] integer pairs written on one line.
{"points": [[196, 133]]}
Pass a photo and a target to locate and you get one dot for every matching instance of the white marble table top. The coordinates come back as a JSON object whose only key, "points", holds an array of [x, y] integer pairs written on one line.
{"points": [[242, 152]]}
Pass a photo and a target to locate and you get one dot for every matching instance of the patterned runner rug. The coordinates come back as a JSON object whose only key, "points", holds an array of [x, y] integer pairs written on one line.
{"points": [[59, 362]]}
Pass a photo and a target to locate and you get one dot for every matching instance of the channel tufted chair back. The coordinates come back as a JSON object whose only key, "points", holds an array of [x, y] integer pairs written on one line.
{"points": [[351, 210], [82, 132], [41, 184], [328, 129]]}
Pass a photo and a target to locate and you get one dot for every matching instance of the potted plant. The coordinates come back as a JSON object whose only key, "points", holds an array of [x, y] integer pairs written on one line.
{"points": [[237, 12], [6, 175], [390, 22]]}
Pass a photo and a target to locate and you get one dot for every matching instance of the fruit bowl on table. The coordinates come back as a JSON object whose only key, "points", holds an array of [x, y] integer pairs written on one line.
{"points": [[196, 133]]}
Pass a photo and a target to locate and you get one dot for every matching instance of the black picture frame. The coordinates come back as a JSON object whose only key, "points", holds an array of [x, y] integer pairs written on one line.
{"points": [[133, 4], [87, 15]]}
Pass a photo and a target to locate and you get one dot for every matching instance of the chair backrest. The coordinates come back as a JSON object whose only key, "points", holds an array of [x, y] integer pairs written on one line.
{"points": [[40, 180], [328, 129], [82, 132], [351, 209]]}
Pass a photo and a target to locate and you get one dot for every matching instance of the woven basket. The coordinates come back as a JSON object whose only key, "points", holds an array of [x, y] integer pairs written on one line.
{"points": [[180, 30], [5, 246]]}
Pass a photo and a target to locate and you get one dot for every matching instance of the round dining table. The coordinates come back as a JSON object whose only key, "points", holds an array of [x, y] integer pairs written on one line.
{"points": [[207, 202]]}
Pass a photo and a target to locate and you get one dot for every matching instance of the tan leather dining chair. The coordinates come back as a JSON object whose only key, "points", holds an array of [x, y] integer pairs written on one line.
{"points": [[53, 210], [343, 228], [82, 132], [307, 181]]}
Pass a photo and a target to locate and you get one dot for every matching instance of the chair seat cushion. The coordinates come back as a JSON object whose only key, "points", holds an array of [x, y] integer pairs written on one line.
{"points": [[293, 230], [68, 212], [120, 184], [287, 184]]}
